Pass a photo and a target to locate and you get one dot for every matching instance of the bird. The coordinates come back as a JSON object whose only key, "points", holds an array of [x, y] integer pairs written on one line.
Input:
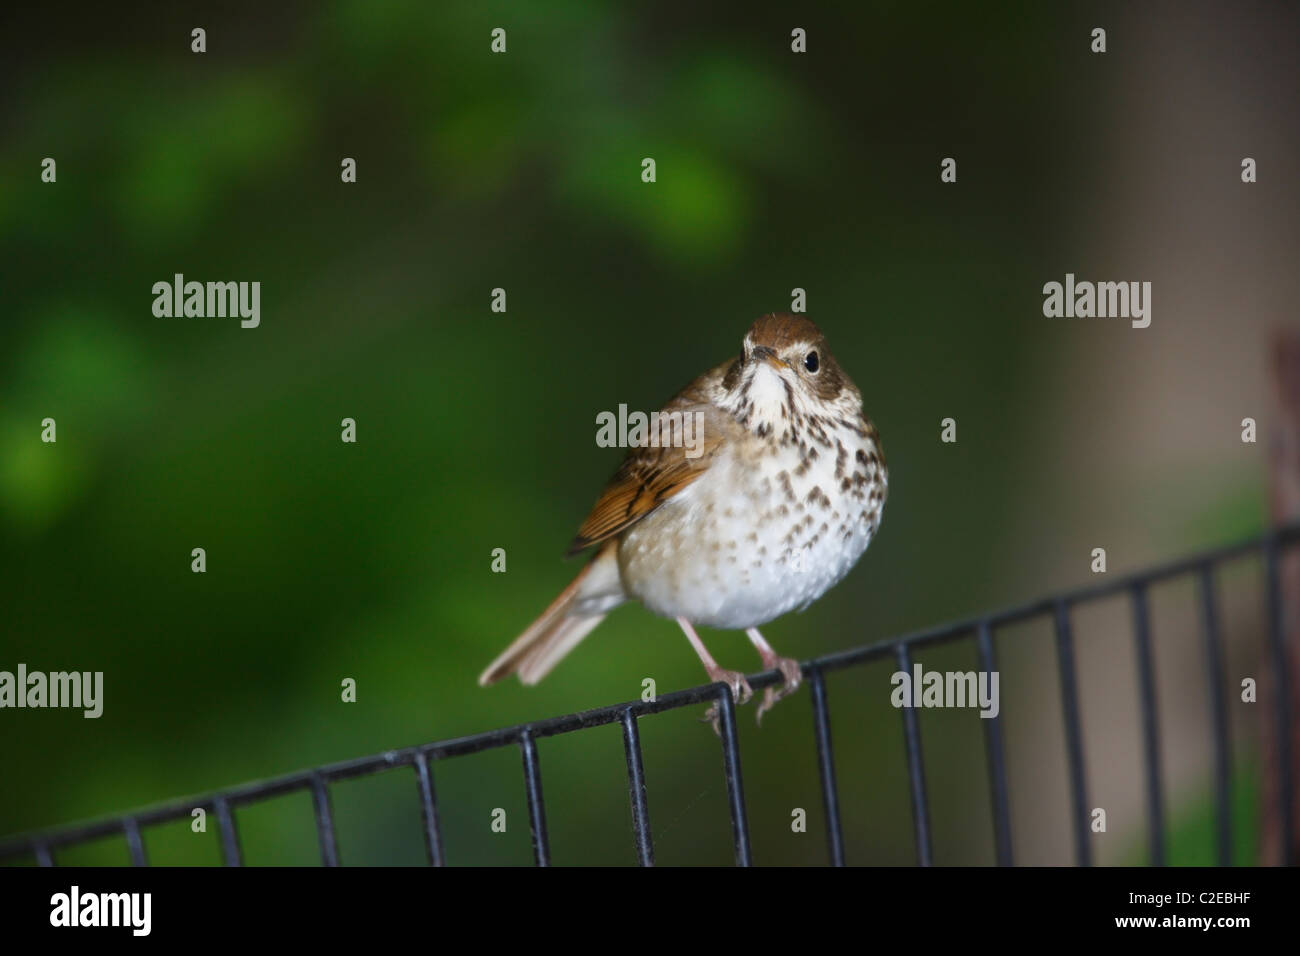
{"points": [[771, 505]]}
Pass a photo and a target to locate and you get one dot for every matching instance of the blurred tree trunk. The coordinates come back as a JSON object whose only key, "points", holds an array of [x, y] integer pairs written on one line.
{"points": [[1284, 468]]}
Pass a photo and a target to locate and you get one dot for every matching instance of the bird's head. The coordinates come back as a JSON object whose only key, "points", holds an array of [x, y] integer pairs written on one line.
{"points": [[785, 375]]}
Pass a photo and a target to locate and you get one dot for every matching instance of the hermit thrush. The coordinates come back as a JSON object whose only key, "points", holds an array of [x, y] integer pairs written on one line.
{"points": [[770, 506]]}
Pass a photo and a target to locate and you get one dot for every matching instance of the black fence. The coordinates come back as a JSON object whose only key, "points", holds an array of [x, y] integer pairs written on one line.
{"points": [[1271, 547]]}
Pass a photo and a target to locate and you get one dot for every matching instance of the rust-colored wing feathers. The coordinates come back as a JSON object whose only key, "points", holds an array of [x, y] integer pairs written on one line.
{"points": [[650, 475]]}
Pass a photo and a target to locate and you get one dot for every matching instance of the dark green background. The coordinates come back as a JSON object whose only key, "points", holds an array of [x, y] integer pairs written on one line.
{"points": [[476, 430]]}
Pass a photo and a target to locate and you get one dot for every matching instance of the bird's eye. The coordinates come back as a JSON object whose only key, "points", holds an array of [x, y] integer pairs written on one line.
{"points": [[811, 363]]}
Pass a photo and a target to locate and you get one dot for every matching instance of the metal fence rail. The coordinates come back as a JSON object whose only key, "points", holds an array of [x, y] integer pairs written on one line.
{"points": [[982, 629]]}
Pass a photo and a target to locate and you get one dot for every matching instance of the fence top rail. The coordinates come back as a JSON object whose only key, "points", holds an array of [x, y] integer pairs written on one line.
{"points": [[42, 841]]}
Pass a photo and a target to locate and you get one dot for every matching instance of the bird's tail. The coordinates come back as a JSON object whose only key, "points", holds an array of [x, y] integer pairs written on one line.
{"points": [[595, 592]]}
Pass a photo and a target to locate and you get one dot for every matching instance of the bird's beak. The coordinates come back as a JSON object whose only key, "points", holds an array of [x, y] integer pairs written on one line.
{"points": [[768, 356]]}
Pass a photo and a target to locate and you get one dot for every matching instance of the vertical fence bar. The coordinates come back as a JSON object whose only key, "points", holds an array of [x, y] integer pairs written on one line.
{"points": [[428, 810], [1150, 723], [536, 805], [43, 855], [320, 799], [826, 764], [1073, 733], [230, 855], [996, 755], [134, 842], [1219, 715], [1282, 704], [645, 850], [731, 770], [915, 765]]}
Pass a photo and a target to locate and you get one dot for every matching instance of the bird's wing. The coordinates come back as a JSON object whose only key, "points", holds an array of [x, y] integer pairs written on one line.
{"points": [[649, 476]]}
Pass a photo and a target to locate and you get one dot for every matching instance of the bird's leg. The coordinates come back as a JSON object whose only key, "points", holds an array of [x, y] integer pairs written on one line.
{"points": [[788, 667], [740, 689]]}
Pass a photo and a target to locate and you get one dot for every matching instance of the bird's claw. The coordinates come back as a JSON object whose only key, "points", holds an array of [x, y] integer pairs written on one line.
{"points": [[741, 692], [793, 674]]}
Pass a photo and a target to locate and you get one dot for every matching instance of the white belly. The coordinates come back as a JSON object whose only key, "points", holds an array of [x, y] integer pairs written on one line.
{"points": [[754, 539]]}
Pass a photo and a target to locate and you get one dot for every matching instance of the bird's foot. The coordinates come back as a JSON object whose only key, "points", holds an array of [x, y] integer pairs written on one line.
{"points": [[793, 674], [741, 692]]}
